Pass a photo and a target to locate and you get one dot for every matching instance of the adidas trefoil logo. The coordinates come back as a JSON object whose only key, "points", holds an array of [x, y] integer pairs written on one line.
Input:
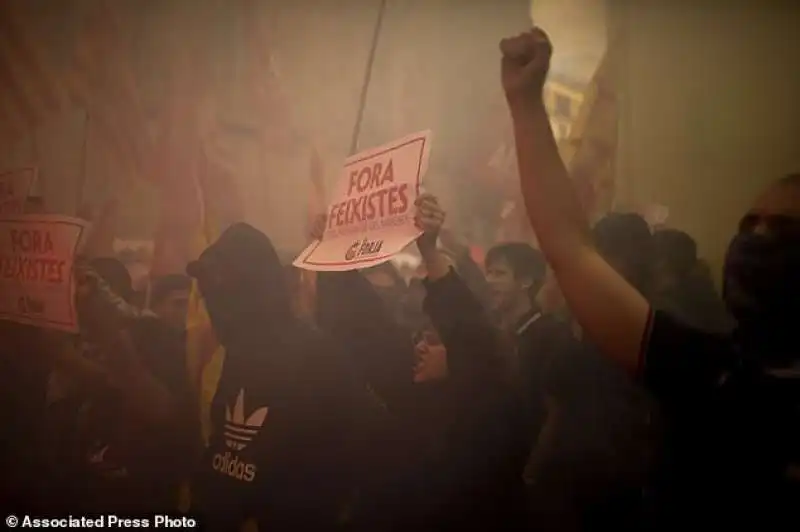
{"points": [[238, 430]]}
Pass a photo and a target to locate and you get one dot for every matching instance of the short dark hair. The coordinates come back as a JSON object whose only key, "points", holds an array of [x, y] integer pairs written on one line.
{"points": [[163, 286], [525, 261], [626, 239], [675, 248]]}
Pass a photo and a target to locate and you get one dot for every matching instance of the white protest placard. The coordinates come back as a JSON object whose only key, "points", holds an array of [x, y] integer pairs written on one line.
{"points": [[15, 187], [37, 254], [371, 217]]}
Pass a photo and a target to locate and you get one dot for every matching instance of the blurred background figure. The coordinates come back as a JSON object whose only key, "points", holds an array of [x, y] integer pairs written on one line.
{"points": [[683, 285]]}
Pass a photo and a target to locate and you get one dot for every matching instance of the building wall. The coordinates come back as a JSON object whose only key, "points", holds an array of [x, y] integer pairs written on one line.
{"points": [[563, 100], [708, 91]]}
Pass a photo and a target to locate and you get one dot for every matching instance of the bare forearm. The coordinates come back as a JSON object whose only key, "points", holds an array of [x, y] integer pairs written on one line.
{"points": [[611, 312], [550, 199]]}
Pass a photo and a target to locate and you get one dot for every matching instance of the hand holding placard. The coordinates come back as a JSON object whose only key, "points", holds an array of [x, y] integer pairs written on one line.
{"points": [[371, 216], [429, 218], [37, 255]]}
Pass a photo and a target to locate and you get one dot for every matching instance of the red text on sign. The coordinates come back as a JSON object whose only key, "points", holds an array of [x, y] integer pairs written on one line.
{"points": [[31, 241], [375, 197]]}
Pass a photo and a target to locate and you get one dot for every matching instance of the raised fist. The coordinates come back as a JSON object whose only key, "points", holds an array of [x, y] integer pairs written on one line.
{"points": [[429, 217], [525, 63]]}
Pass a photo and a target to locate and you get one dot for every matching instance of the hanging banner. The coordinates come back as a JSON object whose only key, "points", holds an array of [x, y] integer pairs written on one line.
{"points": [[37, 254], [15, 187], [371, 218]]}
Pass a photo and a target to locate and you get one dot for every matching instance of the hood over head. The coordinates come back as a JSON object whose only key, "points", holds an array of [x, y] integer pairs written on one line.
{"points": [[243, 284]]}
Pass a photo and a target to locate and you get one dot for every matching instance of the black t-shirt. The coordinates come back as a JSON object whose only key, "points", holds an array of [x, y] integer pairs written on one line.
{"points": [[733, 425], [542, 342], [608, 430]]}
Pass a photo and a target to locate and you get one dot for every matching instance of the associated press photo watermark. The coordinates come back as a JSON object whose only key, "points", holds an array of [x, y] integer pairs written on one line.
{"points": [[102, 521]]}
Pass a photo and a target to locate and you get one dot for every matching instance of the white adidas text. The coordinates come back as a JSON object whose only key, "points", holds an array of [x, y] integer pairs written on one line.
{"points": [[233, 467]]}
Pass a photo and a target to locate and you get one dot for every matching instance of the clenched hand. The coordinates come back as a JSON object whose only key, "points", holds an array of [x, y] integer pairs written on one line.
{"points": [[525, 64]]}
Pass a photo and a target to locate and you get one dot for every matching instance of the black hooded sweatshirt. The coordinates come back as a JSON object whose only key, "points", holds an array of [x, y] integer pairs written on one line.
{"points": [[286, 415], [464, 445]]}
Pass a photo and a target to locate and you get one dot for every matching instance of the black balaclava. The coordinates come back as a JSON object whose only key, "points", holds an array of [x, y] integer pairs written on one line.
{"points": [[762, 291], [243, 284]]}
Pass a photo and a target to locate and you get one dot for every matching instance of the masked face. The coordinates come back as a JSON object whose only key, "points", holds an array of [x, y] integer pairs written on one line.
{"points": [[762, 266], [761, 276]]}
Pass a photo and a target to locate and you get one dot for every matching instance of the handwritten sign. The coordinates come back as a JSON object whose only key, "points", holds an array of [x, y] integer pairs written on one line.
{"points": [[15, 187], [372, 215], [37, 253]]}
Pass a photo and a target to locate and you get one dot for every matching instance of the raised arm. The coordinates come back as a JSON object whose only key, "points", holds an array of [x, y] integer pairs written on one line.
{"points": [[454, 310], [467, 268], [610, 311]]}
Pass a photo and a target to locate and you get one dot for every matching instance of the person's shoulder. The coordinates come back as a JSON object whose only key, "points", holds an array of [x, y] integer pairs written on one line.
{"points": [[680, 360], [551, 331], [665, 331]]}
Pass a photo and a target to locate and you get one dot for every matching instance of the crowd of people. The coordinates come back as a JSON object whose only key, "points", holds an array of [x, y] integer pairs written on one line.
{"points": [[450, 400]]}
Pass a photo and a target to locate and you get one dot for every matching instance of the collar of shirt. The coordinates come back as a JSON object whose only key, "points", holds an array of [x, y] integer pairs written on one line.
{"points": [[526, 321]]}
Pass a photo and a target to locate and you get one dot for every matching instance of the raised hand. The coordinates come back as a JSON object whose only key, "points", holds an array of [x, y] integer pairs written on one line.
{"points": [[429, 218], [525, 64]]}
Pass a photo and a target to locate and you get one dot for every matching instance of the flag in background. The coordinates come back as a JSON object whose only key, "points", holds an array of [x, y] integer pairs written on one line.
{"points": [[307, 289], [180, 167], [270, 102], [590, 151], [101, 80], [204, 354], [30, 88], [272, 105]]}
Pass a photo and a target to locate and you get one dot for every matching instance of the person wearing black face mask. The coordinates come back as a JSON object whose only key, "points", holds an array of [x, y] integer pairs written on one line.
{"points": [[732, 400], [762, 276]]}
